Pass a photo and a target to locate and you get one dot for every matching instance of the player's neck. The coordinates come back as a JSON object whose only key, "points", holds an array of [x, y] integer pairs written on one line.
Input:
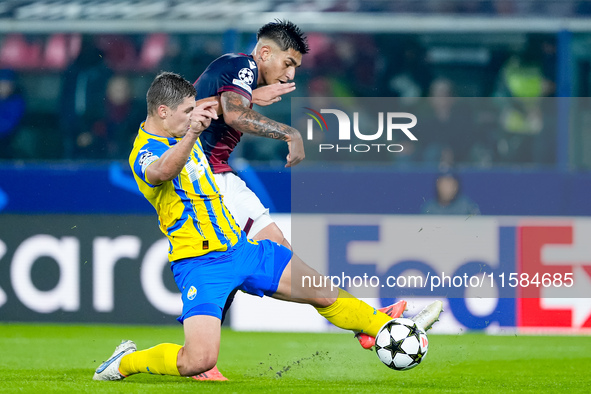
{"points": [[154, 126]]}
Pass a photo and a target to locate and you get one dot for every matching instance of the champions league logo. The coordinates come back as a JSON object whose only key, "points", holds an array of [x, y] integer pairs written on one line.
{"points": [[245, 79], [246, 75], [393, 120]]}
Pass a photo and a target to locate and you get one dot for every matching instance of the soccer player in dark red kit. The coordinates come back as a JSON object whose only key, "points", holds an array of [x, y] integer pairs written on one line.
{"points": [[233, 78]]}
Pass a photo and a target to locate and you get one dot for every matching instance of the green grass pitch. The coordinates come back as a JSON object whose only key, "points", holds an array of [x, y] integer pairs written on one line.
{"points": [[61, 358]]}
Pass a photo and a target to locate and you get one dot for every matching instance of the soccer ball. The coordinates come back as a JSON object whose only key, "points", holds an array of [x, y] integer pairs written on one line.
{"points": [[401, 344]]}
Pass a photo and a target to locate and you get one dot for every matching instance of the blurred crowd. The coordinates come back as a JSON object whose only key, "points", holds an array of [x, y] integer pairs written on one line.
{"points": [[68, 9], [72, 96], [563, 8]]}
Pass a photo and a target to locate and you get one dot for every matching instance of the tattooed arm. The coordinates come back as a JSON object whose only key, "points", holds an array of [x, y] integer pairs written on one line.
{"points": [[238, 115]]}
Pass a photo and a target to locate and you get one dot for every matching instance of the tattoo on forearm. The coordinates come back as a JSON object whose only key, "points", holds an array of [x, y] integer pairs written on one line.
{"points": [[252, 122]]}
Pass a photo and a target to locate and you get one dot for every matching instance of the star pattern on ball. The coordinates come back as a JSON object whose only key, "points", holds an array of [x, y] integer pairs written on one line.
{"points": [[416, 358], [395, 346], [414, 331]]}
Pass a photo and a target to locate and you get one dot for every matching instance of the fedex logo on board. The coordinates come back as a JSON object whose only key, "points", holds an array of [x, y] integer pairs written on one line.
{"points": [[558, 250], [527, 261]]}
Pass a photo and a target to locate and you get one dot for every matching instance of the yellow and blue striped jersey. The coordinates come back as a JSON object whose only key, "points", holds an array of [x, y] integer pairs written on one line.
{"points": [[190, 209]]}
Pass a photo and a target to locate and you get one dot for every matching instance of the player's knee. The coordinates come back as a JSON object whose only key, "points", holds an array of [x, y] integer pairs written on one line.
{"points": [[328, 301], [191, 365], [205, 364], [197, 367]]}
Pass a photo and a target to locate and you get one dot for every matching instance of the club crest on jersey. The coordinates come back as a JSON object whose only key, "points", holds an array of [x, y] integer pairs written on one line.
{"points": [[192, 293]]}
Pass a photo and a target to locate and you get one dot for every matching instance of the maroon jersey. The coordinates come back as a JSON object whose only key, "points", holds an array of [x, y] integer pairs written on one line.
{"points": [[228, 73]]}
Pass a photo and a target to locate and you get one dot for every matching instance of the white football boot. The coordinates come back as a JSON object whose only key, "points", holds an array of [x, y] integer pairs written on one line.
{"points": [[109, 370], [429, 315]]}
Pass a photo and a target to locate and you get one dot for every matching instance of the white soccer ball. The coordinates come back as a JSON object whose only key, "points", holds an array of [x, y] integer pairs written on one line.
{"points": [[401, 344]]}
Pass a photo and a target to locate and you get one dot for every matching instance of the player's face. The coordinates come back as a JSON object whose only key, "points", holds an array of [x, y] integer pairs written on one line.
{"points": [[178, 121], [280, 66]]}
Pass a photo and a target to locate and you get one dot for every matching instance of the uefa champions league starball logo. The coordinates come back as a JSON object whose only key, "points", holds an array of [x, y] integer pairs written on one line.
{"points": [[246, 75]]}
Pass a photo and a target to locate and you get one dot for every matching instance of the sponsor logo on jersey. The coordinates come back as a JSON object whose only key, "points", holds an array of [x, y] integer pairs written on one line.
{"points": [[194, 170], [252, 64], [242, 85]]}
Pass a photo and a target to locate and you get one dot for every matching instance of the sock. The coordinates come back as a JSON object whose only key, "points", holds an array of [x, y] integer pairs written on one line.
{"points": [[157, 360], [350, 313]]}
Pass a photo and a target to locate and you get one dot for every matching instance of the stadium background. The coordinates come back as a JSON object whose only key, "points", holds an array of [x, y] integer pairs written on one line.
{"points": [[76, 239]]}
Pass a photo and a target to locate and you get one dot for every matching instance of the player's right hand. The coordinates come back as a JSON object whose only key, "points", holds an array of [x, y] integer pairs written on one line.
{"points": [[203, 114], [267, 95], [296, 151]]}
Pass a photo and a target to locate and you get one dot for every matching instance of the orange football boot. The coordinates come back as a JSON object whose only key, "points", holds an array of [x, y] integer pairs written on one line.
{"points": [[213, 374], [394, 311]]}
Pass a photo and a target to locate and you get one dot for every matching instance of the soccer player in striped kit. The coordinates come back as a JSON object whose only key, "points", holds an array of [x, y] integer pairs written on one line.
{"points": [[210, 255]]}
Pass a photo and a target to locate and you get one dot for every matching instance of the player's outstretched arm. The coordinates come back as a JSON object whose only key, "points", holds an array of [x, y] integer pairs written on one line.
{"points": [[263, 96], [269, 94], [171, 163], [238, 115]]}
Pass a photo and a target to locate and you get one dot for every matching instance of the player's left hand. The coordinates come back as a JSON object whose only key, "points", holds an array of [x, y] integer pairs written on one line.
{"points": [[267, 95], [216, 98]]}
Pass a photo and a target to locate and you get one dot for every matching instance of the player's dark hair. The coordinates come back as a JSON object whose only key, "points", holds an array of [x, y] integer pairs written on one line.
{"points": [[285, 34], [168, 89]]}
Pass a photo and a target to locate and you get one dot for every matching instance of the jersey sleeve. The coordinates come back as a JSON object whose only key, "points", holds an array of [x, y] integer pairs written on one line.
{"points": [[147, 155], [239, 75]]}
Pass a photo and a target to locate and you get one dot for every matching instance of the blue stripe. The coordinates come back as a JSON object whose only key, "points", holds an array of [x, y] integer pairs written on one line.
{"points": [[188, 208], [209, 175], [212, 184], [214, 221], [104, 365], [235, 229]]}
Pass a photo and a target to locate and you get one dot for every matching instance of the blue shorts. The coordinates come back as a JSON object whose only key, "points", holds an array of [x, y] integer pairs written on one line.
{"points": [[206, 281]]}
